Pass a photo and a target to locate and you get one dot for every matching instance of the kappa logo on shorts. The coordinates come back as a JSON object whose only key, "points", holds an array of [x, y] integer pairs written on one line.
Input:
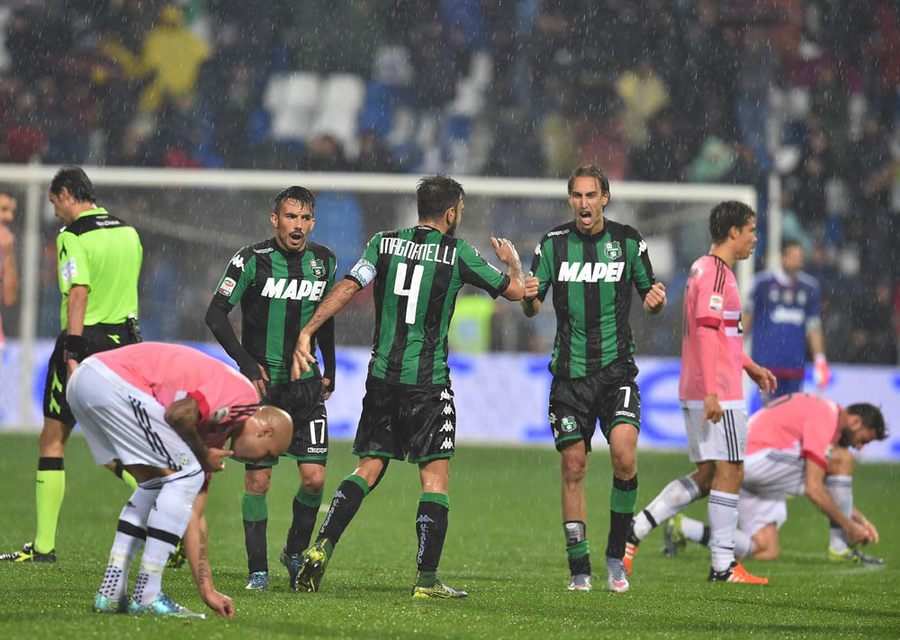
{"points": [[446, 395], [446, 444], [568, 424], [448, 426], [448, 410]]}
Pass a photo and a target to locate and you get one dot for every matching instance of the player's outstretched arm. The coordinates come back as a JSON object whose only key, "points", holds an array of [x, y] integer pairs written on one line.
{"points": [[814, 488], [223, 332], [507, 254], [196, 549], [339, 298], [184, 416]]}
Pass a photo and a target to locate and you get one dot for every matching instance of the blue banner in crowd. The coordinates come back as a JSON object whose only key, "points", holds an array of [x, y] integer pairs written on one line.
{"points": [[502, 398]]}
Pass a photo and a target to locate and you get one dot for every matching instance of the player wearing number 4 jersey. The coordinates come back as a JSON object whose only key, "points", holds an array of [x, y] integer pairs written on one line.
{"points": [[279, 283], [711, 394], [408, 410], [592, 263]]}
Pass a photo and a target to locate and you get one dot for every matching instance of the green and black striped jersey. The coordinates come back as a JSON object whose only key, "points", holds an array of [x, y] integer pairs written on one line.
{"points": [[278, 291], [417, 273], [591, 278]]}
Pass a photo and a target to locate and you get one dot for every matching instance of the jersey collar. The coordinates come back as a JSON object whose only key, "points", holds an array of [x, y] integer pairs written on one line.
{"points": [[96, 211]]}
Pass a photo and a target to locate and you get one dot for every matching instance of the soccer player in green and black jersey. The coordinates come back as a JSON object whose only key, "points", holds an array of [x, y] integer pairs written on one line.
{"points": [[408, 410], [592, 263], [279, 283], [98, 263]]}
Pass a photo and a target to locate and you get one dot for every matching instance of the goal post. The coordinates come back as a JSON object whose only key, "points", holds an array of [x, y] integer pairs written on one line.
{"points": [[32, 181]]}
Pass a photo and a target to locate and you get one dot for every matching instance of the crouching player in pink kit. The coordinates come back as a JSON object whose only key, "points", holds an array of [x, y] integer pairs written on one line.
{"points": [[798, 445], [167, 412]]}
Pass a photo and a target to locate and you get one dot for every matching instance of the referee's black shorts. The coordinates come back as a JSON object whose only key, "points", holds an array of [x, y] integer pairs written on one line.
{"points": [[97, 338]]}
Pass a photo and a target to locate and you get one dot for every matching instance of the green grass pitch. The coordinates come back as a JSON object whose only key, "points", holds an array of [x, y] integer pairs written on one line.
{"points": [[505, 546]]}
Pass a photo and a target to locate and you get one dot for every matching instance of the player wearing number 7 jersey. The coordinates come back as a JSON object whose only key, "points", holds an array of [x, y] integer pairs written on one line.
{"points": [[408, 410], [592, 263], [278, 283]]}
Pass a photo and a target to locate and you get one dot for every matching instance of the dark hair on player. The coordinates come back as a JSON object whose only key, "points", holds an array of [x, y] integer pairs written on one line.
{"points": [[593, 171], [787, 245], [8, 194], [76, 182], [726, 215], [300, 194], [871, 418], [435, 194]]}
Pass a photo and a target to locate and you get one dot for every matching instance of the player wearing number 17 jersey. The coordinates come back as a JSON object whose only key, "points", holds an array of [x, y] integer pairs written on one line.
{"points": [[278, 283], [408, 410]]}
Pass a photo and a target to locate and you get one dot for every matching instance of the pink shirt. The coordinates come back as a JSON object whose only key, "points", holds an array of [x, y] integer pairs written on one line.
{"points": [[170, 372], [803, 424], [711, 347]]}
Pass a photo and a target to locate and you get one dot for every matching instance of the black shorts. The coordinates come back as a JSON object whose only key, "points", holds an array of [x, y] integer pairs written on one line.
{"points": [[97, 338], [417, 423], [304, 400], [610, 396]]}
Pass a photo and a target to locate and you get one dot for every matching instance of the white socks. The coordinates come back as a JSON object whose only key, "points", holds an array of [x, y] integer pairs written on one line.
{"points": [[674, 497], [130, 535], [165, 527], [722, 515], [841, 490]]}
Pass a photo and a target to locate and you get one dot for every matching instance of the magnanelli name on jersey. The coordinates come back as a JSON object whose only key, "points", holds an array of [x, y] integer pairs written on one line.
{"points": [[417, 273]]}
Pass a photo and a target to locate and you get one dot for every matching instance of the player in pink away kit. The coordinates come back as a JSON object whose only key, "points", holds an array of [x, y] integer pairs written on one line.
{"points": [[711, 395], [166, 412], [798, 445], [9, 273]]}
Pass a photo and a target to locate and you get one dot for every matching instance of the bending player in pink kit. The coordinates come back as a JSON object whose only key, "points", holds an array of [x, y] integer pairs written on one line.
{"points": [[711, 394], [167, 412], [798, 445]]}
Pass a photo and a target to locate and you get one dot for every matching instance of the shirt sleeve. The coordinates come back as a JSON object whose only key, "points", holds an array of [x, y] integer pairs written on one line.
{"points": [[813, 309], [819, 434], [225, 399], [542, 266], [641, 267], [365, 269], [238, 276], [709, 303], [73, 267], [475, 270]]}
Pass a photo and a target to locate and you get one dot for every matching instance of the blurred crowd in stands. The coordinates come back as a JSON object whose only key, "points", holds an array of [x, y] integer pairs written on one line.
{"points": [[722, 91]]}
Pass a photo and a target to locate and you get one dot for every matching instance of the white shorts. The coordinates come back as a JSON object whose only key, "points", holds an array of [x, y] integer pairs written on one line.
{"points": [[722, 440], [121, 422], [770, 476]]}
